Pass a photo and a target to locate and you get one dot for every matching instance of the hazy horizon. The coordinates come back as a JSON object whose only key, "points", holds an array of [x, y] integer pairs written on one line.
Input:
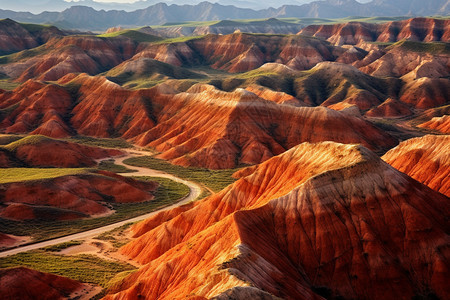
{"points": [[38, 6]]}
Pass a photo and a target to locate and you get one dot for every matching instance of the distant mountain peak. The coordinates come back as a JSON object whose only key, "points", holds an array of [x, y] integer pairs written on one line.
{"points": [[160, 13]]}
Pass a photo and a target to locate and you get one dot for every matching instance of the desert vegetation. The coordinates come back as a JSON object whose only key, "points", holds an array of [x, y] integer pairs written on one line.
{"points": [[215, 180], [84, 268]]}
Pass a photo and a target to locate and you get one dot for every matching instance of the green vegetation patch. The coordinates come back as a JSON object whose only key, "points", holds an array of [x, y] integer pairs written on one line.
{"points": [[25, 174], [84, 268], [100, 142], [18, 56], [62, 246], [8, 85], [256, 73], [434, 47], [109, 165], [35, 28], [6, 139], [168, 189], [181, 39], [149, 73], [216, 180], [28, 140], [135, 35]]}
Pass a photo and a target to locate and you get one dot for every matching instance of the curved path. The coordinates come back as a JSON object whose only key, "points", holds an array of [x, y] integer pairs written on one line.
{"points": [[194, 191]]}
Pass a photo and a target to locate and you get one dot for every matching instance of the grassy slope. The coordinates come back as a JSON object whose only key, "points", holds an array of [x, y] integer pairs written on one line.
{"points": [[25, 174], [421, 47], [85, 268], [100, 142], [8, 85], [150, 73], [216, 180], [303, 21], [109, 165], [133, 34], [6, 139], [18, 56], [28, 140]]}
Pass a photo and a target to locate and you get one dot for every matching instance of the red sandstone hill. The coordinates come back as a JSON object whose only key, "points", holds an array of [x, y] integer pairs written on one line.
{"points": [[353, 33], [40, 151], [441, 124], [334, 84], [230, 128], [39, 108], [240, 52], [18, 37], [320, 219], [28, 284], [426, 159], [70, 197], [70, 54], [409, 60], [239, 127]]}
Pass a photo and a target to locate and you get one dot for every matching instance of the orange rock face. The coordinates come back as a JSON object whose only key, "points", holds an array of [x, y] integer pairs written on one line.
{"points": [[229, 128], [70, 197], [107, 109], [39, 107], [321, 219], [426, 159], [28, 284], [239, 127], [390, 108], [441, 124]]}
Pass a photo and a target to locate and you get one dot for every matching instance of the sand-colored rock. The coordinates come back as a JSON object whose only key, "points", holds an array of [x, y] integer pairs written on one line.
{"points": [[426, 159]]}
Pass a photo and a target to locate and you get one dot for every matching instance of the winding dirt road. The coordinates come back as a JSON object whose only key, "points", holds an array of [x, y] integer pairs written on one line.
{"points": [[194, 191]]}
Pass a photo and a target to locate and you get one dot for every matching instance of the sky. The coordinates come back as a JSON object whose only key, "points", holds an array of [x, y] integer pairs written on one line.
{"points": [[131, 1]]}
